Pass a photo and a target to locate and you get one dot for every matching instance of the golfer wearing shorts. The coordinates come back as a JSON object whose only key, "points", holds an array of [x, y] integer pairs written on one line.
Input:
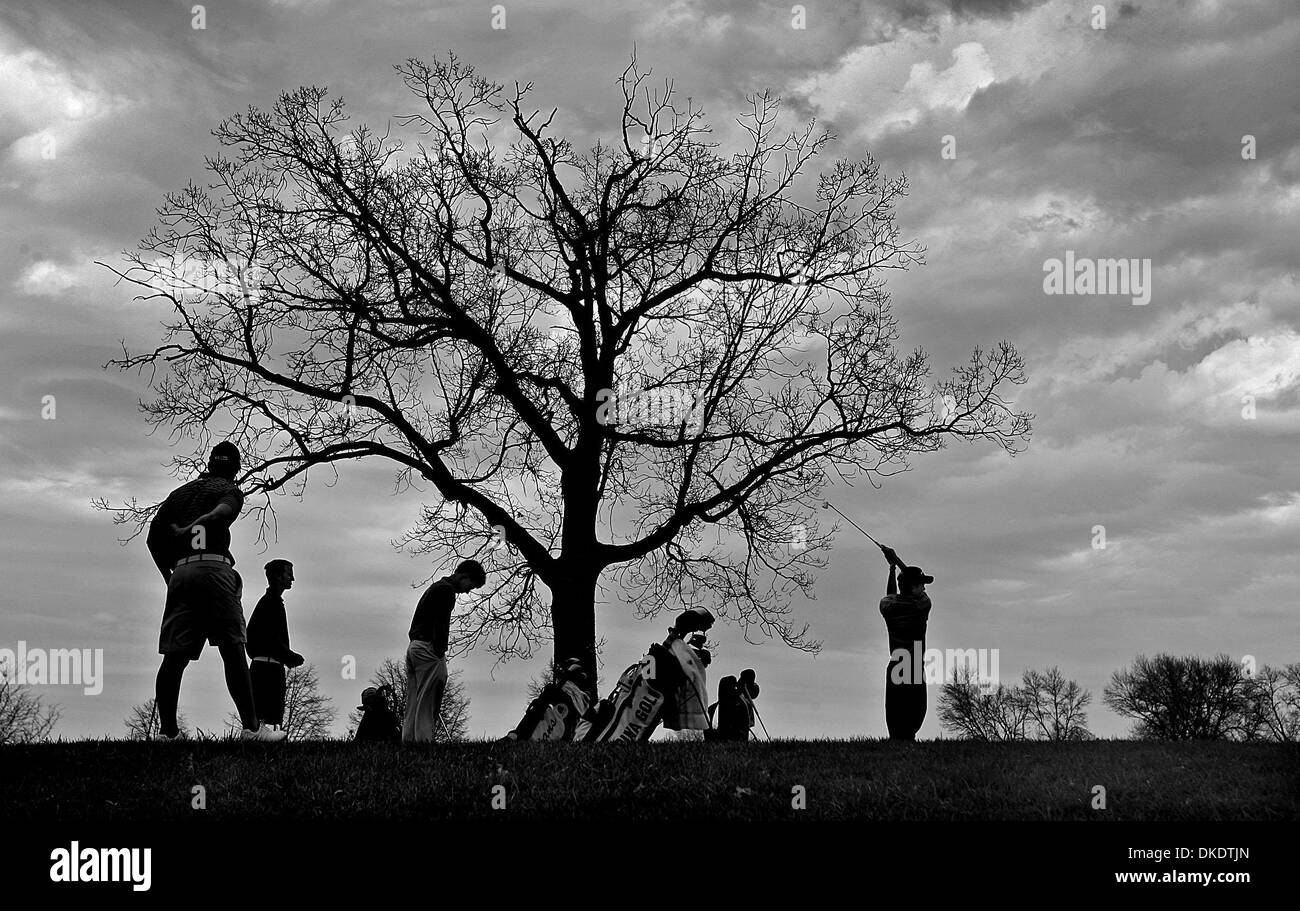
{"points": [[189, 539], [426, 655]]}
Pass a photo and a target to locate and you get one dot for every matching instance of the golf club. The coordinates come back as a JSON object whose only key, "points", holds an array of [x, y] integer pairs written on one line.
{"points": [[827, 504], [760, 720]]}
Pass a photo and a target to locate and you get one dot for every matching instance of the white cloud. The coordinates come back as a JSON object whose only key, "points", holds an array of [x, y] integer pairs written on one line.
{"points": [[686, 17], [45, 102], [953, 87], [893, 85], [45, 278]]}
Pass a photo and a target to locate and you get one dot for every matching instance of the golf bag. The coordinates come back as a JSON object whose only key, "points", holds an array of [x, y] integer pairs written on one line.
{"points": [[666, 686], [735, 708], [554, 714], [559, 708]]}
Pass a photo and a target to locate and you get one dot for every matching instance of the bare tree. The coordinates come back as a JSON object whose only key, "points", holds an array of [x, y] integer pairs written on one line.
{"points": [[308, 713], [455, 701], [1274, 695], [1183, 698], [142, 721], [1056, 706], [628, 371], [979, 712], [24, 717]]}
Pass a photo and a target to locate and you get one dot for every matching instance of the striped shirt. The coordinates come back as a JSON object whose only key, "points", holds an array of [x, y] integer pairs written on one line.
{"points": [[182, 506], [905, 618]]}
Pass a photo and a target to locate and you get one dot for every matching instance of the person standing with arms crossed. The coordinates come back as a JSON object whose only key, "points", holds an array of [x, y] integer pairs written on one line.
{"points": [[906, 609], [426, 655], [189, 540]]}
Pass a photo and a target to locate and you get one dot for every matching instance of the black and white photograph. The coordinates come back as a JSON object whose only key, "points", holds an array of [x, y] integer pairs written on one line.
{"points": [[545, 442]]}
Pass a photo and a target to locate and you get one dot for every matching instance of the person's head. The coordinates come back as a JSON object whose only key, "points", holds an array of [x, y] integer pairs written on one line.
{"points": [[279, 574], [469, 575], [224, 460], [912, 581], [374, 697], [571, 670], [747, 683], [698, 641], [692, 620]]}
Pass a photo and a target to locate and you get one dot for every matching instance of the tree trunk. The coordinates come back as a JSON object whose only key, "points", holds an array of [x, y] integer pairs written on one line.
{"points": [[573, 616]]}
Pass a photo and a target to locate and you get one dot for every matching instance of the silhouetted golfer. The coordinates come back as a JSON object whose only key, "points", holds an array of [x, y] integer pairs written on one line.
{"points": [[189, 539], [378, 723], [906, 613], [426, 655], [268, 645]]}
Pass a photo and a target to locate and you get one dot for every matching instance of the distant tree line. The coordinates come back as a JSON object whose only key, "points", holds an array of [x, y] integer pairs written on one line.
{"points": [[1168, 697], [309, 714], [455, 701], [24, 717], [1043, 706]]}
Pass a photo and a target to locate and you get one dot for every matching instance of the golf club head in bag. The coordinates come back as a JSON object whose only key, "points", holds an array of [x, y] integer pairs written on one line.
{"points": [[636, 706], [735, 708], [558, 709], [692, 620]]}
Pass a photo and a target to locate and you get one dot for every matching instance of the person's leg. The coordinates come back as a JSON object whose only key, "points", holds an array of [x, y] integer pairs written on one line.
{"points": [[421, 722], [918, 708], [268, 691], [239, 683], [412, 698], [223, 590], [422, 688], [911, 699], [180, 641], [257, 680], [278, 682], [433, 701], [167, 692], [894, 699]]}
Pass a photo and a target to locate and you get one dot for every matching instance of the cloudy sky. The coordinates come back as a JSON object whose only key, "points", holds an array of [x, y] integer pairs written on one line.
{"points": [[1125, 141]]}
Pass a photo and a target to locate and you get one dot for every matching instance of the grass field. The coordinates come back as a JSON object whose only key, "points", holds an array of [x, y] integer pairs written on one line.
{"points": [[107, 781]]}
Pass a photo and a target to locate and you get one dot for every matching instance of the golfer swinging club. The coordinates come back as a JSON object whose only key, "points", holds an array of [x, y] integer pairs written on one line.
{"points": [[906, 613]]}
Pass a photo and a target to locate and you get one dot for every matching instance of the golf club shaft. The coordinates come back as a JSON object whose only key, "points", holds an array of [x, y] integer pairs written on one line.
{"points": [[856, 525], [760, 720]]}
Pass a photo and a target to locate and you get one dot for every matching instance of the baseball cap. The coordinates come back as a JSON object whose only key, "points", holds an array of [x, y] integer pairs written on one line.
{"points": [[914, 574], [369, 694], [224, 459]]}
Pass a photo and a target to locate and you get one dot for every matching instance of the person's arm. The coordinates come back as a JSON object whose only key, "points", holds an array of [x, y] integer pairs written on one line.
{"points": [[158, 549], [287, 655], [222, 514], [894, 563]]}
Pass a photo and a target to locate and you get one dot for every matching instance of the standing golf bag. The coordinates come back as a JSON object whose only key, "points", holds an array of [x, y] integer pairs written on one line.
{"points": [[558, 709], [735, 708], [666, 686]]}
